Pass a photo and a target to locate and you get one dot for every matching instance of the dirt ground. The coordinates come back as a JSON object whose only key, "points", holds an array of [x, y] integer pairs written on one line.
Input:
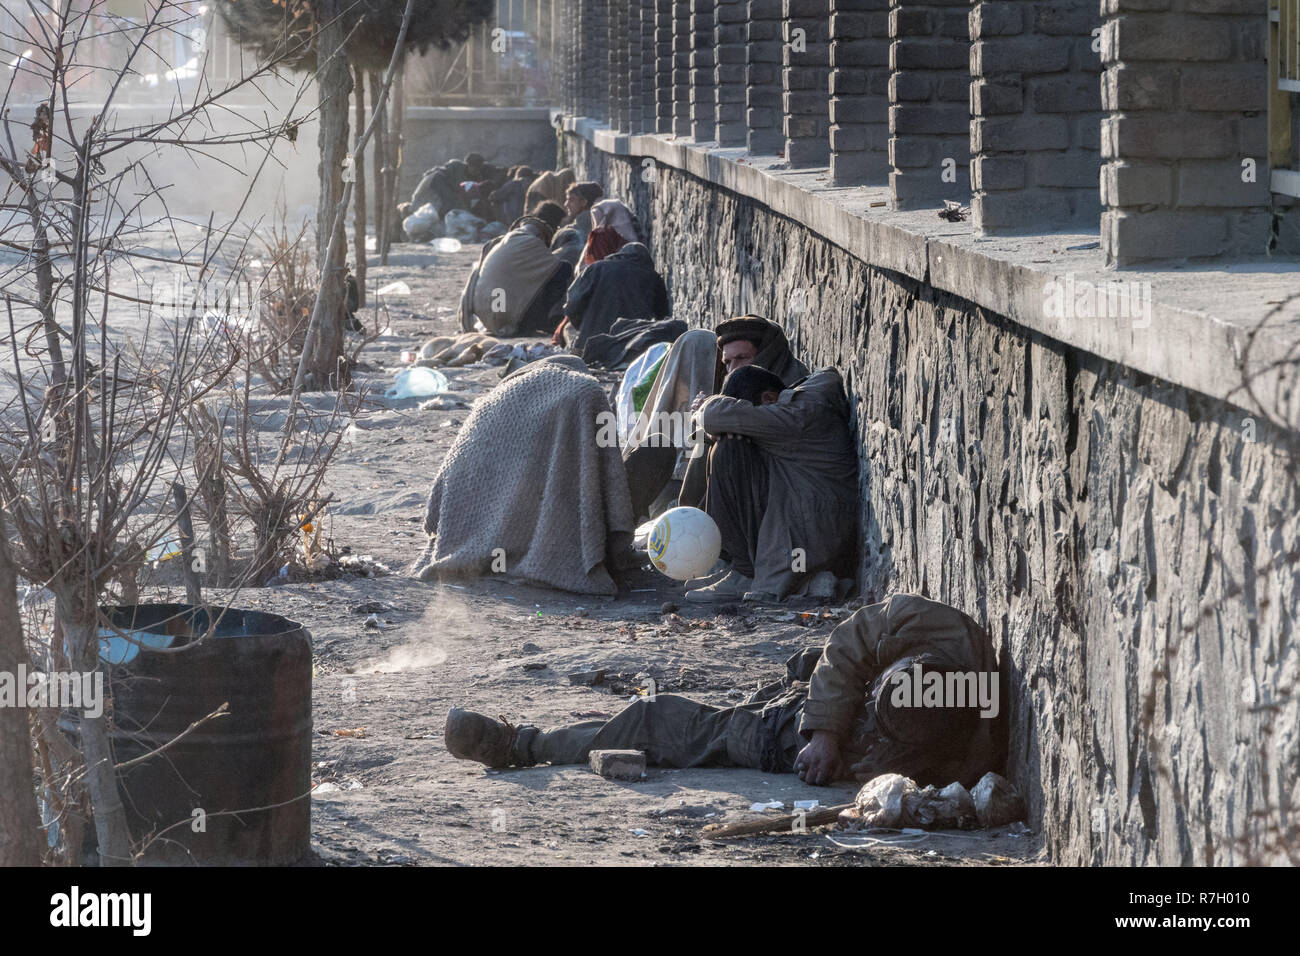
{"points": [[396, 797]]}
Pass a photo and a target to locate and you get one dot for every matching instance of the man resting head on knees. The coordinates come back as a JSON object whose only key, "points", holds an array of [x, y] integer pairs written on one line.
{"points": [[782, 482], [659, 452], [906, 686]]}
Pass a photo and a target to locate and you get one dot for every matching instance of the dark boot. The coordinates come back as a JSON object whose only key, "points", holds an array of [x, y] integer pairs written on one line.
{"points": [[495, 743]]}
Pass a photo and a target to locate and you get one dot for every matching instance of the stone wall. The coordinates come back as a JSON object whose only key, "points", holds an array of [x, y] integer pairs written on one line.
{"points": [[1121, 538]]}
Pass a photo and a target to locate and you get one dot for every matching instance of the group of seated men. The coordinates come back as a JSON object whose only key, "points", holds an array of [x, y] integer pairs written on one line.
{"points": [[567, 270], [732, 423]]}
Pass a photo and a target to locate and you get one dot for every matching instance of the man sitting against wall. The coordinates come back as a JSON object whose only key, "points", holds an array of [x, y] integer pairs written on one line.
{"points": [[658, 453], [782, 482]]}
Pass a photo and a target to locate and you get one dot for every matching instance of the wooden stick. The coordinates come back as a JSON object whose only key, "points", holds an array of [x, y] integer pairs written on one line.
{"points": [[813, 818]]}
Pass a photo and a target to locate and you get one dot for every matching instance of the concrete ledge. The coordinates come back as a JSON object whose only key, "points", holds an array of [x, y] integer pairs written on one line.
{"points": [[505, 114], [1196, 332]]}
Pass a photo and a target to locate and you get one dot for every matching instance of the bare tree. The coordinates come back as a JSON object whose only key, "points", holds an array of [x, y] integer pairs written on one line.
{"points": [[338, 33], [97, 434], [19, 825]]}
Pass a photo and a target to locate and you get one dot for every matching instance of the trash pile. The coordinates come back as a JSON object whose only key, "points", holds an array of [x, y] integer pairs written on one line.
{"points": [[892, 801]]}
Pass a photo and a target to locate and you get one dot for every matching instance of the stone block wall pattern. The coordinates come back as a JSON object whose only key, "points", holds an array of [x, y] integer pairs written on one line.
{"points": [[1185, 90], [1035, 105], [1132, 552], [859, 91], [664, 69], [729, 31], [763, 54], [805, 81], [681, 67], [704, 108], [929, 114]]}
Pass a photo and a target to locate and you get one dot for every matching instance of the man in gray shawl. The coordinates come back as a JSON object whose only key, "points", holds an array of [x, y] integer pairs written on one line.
{"points": [[531, 488], [518, 286]]}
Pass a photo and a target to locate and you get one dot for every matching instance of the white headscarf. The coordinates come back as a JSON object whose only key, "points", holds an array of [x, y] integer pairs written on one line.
{"points": [[615, 215]]}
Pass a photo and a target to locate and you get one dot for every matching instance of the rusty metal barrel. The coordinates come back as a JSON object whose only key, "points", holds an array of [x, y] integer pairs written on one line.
{"points": [[235, 791]]}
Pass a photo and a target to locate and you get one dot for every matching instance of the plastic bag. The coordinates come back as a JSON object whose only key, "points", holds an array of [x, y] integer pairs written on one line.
{"points": [[418, 382], [394, 288], [423, 224], [641, 371], [463, 224]]}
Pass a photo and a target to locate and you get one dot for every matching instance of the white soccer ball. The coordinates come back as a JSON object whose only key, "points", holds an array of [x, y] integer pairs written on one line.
{"points": [[684, 543]]}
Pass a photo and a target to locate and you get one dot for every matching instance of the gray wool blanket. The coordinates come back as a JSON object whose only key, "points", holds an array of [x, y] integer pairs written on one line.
{"points": [[526, 476]]}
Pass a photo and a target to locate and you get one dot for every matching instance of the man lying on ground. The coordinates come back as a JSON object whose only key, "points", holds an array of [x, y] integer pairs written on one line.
{"points": [[782, 482], [865, 710], [518, 286], [662, 443], [527, 490]]}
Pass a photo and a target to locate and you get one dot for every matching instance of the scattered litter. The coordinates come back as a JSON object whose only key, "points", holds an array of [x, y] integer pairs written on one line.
{"points": [[807, 804], [954, 211], [536, 666], [350, 732], [764, 807], [417, 382], [443, 403], [639, 832], [590, 714], [364, 564], [446, 244], [996, 801], [395, 288], [586, 678], [370, 607]]}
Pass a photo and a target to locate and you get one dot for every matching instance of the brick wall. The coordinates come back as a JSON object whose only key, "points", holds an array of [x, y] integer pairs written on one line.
{"points": [[729, 71], [1185, 87], [859, 90], [704, 111], [805, 80], [664, 65], [681, 67], [929, 117], [763, 53], [1035, 103]]}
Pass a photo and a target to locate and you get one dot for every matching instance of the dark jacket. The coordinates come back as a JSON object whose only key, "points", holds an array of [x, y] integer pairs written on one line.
{"points": [[624, 285], [860, 650]]}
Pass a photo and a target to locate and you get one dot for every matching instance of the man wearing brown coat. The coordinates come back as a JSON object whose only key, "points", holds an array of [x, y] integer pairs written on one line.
{"points": [[861, 706]]}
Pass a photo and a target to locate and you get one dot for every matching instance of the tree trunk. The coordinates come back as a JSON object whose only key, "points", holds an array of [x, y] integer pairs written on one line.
{"points": [[383, 205], [359, 189], [111, 828], [393, 177], [325, 366], [20, 825]]}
